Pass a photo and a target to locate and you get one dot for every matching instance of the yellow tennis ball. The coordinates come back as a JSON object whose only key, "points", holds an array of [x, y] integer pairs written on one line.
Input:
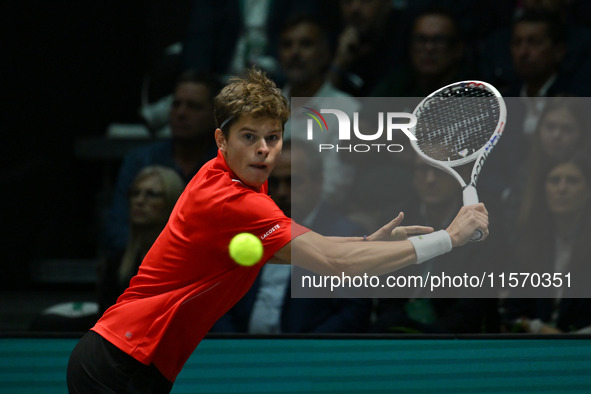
{"points": [[246, 249]]}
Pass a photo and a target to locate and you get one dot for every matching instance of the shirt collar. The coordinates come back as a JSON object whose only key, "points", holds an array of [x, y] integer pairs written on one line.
{"points": [[220, 164]]}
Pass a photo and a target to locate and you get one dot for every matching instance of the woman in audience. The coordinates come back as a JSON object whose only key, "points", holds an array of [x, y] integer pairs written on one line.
{"points": [[152, 197], [554, 238], [562, 130]]}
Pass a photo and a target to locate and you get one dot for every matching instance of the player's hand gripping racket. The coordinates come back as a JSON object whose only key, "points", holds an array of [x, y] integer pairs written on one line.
{"points": [[456, 125]]}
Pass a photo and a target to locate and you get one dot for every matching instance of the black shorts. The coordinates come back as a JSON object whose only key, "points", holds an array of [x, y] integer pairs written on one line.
{"points": [[97, 366]]}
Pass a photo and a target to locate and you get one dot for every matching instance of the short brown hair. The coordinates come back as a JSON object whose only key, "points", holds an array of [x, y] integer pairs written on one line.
{"points": [[253, 94]]}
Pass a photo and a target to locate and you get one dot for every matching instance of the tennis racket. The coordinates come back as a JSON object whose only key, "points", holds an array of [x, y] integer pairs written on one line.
{"points": [[459, 124]]}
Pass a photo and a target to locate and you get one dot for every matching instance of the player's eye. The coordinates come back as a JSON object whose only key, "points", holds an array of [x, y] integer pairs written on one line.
{"points": [[248, 136]]}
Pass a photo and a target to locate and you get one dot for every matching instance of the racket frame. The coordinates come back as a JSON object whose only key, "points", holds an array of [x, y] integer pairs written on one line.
{"points": [[469, 193], [470, 196]]}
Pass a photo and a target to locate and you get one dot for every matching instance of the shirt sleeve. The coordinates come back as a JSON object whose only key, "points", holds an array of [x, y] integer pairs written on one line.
{"points": [[264, 219], [297, 230]]}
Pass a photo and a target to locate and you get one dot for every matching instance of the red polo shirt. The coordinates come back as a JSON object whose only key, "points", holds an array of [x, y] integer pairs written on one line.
{"points": [[187, 280]]}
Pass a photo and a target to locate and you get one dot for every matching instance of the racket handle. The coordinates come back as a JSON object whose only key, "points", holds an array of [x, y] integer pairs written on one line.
{"points": [[470, 195], [470, 198]]}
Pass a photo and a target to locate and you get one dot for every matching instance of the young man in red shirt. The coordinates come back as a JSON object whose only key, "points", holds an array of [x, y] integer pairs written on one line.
{"points": [[187, 280]]}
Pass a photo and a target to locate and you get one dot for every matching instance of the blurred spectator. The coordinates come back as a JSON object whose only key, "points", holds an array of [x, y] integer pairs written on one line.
{"points": [[371, 42], [538, 51], [562, 130], [436, 58], [151, 198], [305, 55], [554, 238], [538, 48], [228, 36], [543, 53], [190, 146], [438, 199], [267, 308], [474, 18]]}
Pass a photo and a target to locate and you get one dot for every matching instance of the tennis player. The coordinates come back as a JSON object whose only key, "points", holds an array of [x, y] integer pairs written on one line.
{"points": [[187, 280]]}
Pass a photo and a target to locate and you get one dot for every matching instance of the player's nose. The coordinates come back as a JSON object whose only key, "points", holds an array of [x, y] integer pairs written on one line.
{"points": [[262, 147]]}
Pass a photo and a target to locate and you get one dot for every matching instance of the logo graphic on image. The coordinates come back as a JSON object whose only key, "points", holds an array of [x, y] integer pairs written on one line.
{"points": [[315, 116], [347, 125]]}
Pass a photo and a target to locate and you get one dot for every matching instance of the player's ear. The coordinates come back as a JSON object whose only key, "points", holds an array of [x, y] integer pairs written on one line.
{"points": [[220, 139]]}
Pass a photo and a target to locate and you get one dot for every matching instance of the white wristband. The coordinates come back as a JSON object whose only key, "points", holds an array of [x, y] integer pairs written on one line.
{"points": [[431, 245]]}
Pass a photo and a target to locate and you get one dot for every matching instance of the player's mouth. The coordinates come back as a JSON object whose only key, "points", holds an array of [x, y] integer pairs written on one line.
{"points": [[259, 166]]}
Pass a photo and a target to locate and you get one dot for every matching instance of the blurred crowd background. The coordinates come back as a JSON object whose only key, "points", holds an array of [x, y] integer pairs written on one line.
{"points": [[95, 92]]}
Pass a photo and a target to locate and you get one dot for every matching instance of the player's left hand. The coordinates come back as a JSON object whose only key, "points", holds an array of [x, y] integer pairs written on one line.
{"points": [[393, 232]]}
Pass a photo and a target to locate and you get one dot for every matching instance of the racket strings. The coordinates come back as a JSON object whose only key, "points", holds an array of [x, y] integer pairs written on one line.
{"points": [[456, 123]]}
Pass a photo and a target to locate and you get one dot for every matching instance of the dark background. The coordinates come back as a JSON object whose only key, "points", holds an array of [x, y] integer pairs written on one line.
{"points": [[69, 69]]}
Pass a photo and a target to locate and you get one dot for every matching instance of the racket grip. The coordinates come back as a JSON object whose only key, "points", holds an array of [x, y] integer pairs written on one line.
{"points": [[470, 197]]}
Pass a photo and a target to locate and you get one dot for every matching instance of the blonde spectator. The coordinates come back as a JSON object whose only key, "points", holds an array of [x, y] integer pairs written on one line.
{"points": [[152, 197]]}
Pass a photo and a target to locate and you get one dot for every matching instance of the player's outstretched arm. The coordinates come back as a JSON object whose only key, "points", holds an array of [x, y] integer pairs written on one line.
{"points": [[391, 231], [331, 256], [353, 256]]}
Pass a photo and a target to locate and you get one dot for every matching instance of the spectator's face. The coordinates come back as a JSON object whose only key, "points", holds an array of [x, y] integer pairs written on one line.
{"points": [[280, 182], [535, 56], [191, 114], [560, 134], [365, 15], [147, 202], [567, 190], [252, 148], [303, 53], [434, 47], [434, 187]]}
